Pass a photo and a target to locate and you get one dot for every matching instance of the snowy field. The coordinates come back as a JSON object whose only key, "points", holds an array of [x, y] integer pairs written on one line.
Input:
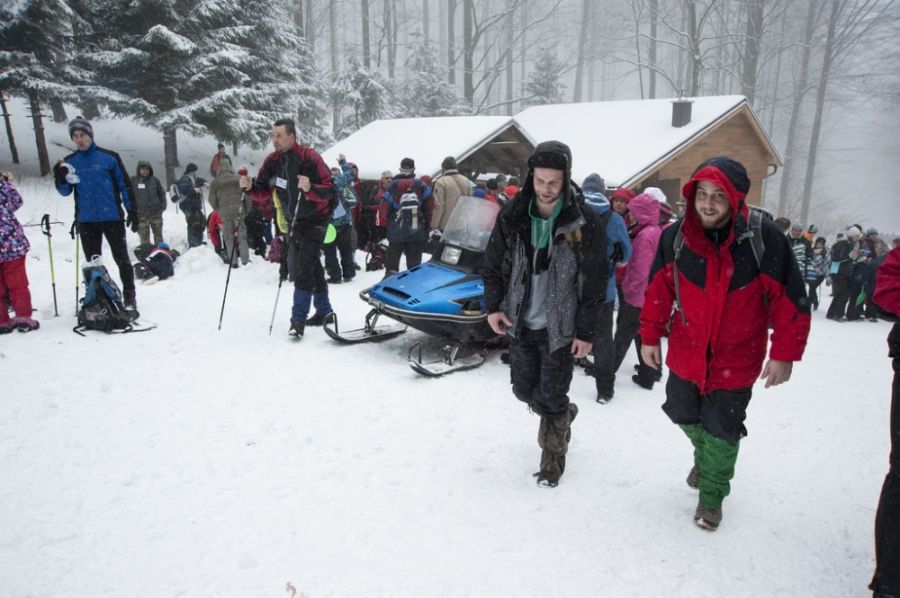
{"points": [[187, 461]]}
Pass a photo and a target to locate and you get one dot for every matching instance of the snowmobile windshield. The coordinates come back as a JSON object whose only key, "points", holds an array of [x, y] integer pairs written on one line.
{"points": [[471, 223]]}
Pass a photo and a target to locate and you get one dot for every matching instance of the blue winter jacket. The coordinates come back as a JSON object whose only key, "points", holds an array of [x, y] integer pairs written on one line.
{"points": [[616, 233], [103, 188]]}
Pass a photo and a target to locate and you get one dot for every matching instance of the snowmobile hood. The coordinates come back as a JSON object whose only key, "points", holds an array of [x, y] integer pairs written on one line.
{"points": [[428, 288]]}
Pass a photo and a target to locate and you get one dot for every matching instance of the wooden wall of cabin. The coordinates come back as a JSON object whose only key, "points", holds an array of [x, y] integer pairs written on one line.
{"points": [[735, 138]]}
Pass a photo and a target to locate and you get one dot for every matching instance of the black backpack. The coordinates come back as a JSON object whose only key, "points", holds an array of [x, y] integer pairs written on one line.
{"points": [[102, 307]]}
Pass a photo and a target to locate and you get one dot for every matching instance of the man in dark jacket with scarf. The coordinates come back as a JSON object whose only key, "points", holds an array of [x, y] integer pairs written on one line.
{"points": [[102, 196], [545, 273], [724, 299], [304, 194], [150, 200]]}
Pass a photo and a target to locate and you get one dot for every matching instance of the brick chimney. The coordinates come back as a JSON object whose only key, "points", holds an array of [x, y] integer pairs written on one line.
{"points": [[681, 112]]}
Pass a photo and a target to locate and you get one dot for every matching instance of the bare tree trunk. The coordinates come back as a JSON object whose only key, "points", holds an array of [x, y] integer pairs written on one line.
{"points": [[592, 58], [426, 22], [509, 62], [777, 84], [364, 11], [38, 119], [391, 36], [753, 39], [694, 45], [523, 50], [799, 92], [310, 26], [468, 50], [333, 48], [90, 110], [9, 131], [582, 48], [442, 31], [298, 17], [234, 150], [59, 111], [651, 55], [637, 48], [682, 55], [170, 153], [451, 41], [827, 61]]}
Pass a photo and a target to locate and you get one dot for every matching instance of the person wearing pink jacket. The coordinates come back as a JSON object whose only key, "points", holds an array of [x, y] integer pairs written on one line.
{"points": [[645, 210]]}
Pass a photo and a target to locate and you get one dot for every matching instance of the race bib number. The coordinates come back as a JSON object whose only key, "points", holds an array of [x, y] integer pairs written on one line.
{"points": [[142, 186], [281, 183]]}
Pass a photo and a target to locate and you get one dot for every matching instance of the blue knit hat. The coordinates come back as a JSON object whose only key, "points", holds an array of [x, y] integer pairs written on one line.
{"points": [[79, 123]]}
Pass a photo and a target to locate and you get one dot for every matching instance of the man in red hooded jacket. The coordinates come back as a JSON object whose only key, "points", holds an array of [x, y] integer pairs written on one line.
{"points": [[724, 301]]}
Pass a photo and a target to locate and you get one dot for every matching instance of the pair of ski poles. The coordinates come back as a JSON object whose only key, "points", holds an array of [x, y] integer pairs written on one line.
{"points": [[45, 229]]}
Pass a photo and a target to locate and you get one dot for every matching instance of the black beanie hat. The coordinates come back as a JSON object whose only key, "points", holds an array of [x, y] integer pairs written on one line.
{"points": [[407, 164], [191, 167], [551, 154], [492, 184], [79, 123]]}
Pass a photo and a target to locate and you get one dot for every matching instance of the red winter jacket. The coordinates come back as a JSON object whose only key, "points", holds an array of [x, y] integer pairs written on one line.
{"points": [[279, 173], [887, 283], [719, 342]]}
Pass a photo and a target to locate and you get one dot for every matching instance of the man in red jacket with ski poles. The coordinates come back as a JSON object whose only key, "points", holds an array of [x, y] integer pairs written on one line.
{"points": [[729, 275]]}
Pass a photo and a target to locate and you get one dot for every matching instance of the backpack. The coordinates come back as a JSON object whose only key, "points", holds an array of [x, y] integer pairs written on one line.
{"points": [[375, 259], [174, 195], [410, 208], [102, 307]]}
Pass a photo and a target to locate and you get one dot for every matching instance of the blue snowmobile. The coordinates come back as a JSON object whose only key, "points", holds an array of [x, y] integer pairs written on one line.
{"points": [[443, 297]]}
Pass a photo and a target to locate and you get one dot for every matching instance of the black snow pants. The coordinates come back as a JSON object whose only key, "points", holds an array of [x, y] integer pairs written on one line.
{"points": [[887, 519]]}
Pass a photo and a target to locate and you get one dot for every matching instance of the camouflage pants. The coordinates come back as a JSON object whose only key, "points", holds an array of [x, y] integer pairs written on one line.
{"points": [[148, 222]]}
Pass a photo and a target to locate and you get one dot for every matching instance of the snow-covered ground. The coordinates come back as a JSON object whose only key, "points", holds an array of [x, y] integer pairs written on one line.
{"points": [[187, 461]]}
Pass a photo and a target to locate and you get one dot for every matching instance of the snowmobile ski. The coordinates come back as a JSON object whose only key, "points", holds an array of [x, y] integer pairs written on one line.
{"points": [[370, 332], [449, 362]]}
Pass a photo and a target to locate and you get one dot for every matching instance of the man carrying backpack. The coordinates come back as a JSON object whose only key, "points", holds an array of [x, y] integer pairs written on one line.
{"points": [[190, 191], [545, 274], [304, 198], [404, 207], [102, 193], [724, 297]]}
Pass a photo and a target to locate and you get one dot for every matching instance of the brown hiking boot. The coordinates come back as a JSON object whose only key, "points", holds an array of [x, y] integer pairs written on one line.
{"points": [[708, 519], [693, 479], [554, 434]]}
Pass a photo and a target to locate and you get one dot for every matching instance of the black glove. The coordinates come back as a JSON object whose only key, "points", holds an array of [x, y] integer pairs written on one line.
{"points": [[132, 220], [59, 173], [283, 270]]}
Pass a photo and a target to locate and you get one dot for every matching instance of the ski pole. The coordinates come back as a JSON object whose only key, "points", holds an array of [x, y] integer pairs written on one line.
{"points": [[228, 278], [234, 242], [275, 309], [73, 232], [45, 228]]}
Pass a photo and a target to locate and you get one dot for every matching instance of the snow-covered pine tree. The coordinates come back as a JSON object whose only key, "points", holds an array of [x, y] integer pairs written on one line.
{"points": [[253, 71], [425, 90], [34, 37], [138, 51], [362, 94], [544, 84]]}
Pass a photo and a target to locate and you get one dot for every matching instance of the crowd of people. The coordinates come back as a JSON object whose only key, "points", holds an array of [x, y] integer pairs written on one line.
{"points": [[560, 258]]}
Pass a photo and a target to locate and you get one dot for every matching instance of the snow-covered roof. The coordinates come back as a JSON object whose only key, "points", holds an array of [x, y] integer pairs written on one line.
{"points": [[622, 139], [382, 144]]}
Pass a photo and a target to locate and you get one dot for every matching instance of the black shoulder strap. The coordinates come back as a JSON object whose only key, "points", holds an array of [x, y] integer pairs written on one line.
{"points": [[679, 243]]}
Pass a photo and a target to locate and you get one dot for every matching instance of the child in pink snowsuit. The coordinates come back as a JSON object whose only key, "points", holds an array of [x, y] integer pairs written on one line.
{"points": [[13, 247]]}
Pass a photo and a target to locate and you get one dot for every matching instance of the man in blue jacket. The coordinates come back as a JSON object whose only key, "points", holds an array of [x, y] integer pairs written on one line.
{"points": [[102, 198], [618, 249]]}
